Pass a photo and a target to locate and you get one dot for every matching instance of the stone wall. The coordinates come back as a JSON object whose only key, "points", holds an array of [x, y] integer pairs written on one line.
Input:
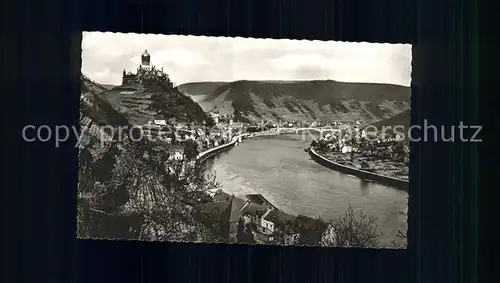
{"points": [[385, 180]]}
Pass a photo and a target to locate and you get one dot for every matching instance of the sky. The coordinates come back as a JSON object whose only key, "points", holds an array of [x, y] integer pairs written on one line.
{"points": [[200, 58]]}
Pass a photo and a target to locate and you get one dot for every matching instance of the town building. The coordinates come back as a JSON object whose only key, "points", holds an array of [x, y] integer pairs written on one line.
{"points": [[399, 137], [254, 213], [260, 200], [160, 121], [316, 231], [176, 156], [346, 149], [268, 224], [283, 227], [220, 195], [226, 214]]}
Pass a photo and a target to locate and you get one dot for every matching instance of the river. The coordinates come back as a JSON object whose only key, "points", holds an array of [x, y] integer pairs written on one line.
{"points": [[278, 168]]}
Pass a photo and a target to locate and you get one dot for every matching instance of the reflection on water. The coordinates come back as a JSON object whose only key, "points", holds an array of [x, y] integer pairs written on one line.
{"points": [[364, 186], [278, 168]]}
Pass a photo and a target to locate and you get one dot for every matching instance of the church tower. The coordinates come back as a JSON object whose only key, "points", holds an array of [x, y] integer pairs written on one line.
{"points": [[146, 60]]}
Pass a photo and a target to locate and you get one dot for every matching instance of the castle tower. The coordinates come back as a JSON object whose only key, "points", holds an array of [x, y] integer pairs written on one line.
{"points": [[146, 60]]}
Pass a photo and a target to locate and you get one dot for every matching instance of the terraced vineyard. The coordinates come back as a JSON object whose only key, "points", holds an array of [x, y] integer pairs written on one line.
{"points": [[133, 102], [142, 103]]}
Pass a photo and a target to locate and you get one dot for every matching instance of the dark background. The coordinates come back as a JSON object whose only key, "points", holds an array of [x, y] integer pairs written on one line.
{"points": [[41, 69]]}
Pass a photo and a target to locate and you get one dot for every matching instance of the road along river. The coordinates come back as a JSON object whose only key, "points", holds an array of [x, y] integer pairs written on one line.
{"points": [[278, 168]]}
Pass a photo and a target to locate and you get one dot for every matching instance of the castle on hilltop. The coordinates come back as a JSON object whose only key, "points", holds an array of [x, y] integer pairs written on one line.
{"points": [[146, 71]]}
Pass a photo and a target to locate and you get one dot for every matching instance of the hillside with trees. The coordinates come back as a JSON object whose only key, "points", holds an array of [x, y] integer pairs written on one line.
{"points": [[402, 119], [307, 100], [200, 88], [133, 189], [141, 103]]}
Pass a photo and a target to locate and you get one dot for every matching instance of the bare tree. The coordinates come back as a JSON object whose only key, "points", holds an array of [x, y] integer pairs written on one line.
{"points": [[163, 192], [403, 236], [356, 230], [167, 191], [98, 203]]}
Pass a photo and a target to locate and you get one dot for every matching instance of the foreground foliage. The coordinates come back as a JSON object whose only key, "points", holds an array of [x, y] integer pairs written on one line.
{"points": [[135, 190], [356, 230]]}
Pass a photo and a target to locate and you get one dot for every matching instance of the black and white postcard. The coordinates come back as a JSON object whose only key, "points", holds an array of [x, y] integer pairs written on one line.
{"points": [[242, 140]]}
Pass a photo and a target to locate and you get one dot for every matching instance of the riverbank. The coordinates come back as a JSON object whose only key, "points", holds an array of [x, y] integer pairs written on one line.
{"points": [[272, 133], [277, 168], [211, 152], [335, 161], [381, 166], [365, 175]]}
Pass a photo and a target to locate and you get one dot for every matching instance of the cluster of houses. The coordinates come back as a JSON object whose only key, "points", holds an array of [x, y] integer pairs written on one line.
{"points": [[350, 138], [256, 216], [177, 133], [333, 125], [220, 118], [389, 147]]}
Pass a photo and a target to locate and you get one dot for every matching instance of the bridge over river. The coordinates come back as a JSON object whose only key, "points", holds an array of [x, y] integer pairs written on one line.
{"points": [[278, 168]]}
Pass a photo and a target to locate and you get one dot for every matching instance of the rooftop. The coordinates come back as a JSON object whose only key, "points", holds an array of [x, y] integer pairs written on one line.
{"points": [[259, 199], [227, 210], [220, 195], [253, 209], [279, 217]]}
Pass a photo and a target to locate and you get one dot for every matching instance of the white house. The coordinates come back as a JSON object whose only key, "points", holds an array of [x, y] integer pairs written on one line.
{"points": [[176, 156], [268, 225], [363, 133], [400, 137], [256, 213], [346, 149], [160, 122]]}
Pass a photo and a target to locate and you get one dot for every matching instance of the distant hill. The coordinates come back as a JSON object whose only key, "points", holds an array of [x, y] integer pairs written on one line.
{"points": [[306, 100], [401, 119], [199, 88], [87, 85]]}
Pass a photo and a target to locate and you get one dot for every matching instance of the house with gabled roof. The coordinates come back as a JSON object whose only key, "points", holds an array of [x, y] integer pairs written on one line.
{"points": [[260, 200], [220, 195], [252, 212], [315, 231], [224, 213], [265, 221], [160, 120], [284, 227]]}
